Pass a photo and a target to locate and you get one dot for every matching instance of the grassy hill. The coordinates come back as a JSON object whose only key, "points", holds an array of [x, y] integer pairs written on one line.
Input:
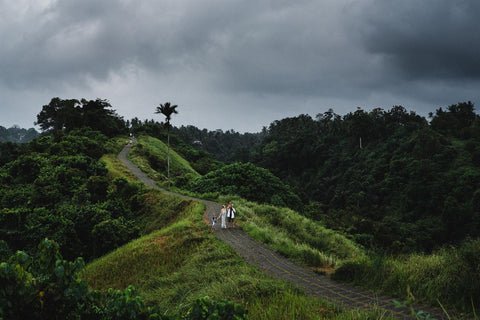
{"points": [[179, 259], [150, 155]]}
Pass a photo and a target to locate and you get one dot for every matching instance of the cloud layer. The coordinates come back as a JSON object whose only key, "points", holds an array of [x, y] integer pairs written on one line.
{"points": [[237, 64]]}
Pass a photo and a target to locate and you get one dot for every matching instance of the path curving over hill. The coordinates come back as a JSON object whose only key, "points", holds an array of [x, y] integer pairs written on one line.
{"points": [[264, 258]]}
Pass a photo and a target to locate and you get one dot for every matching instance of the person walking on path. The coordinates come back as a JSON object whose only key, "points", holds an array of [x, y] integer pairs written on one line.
{"points": [[223, 217], [231, 215], [214, 220]]}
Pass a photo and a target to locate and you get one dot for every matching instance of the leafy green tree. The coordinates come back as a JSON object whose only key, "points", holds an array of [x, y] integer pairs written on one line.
{"points": [[457, 120], [167, 110], [60, 115], [248, 181], [67, 115]]}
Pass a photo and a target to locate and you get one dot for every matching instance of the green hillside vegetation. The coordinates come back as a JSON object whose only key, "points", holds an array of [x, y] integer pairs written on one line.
{"points": [[183, 261], [308, 242], [200, 160], [248, 181], [150, 155], [404, 204], [63, 188]]}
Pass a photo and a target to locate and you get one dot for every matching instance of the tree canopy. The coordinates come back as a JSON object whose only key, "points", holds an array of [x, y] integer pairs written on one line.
{"points": [[71, 114]]}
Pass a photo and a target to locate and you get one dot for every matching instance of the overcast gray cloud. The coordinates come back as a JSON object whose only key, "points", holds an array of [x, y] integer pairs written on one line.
{"points": [[430, 39], [238, 64]]}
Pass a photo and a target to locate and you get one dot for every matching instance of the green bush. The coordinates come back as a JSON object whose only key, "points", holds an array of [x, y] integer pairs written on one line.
{"points": [[110, 234], [205, 309], [250, 182]]}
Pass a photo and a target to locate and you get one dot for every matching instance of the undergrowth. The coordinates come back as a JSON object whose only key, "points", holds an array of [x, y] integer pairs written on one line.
{"points": [[293, 235]]}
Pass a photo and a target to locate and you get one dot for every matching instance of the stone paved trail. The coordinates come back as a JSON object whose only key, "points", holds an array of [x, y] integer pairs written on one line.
{"points": [[264, 258]]}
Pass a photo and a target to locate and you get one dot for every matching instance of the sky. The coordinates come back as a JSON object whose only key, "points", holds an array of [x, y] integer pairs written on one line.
{"points": [[232, 64]]}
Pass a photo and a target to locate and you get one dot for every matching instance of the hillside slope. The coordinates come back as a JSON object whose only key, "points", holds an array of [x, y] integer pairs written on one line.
{"points": [[273, 264]]}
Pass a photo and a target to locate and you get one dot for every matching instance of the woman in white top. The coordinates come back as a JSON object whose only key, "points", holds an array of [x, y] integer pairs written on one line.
{"points": [[223, 217]]}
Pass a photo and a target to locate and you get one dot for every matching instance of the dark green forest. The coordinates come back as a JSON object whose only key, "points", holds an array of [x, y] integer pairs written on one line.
{"points": [[55, 186], [391, 179]]}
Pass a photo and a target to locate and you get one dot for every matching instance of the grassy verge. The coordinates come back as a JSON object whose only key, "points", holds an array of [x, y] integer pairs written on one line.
{"points": [[450, 276], [296, 237], [150, 155], [116, 169]]}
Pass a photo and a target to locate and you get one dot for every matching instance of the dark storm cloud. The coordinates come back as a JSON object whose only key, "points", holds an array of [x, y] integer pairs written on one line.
{"points": [[264, 46], [429, 39], [70, 40], [294, 48], [232, 58]]}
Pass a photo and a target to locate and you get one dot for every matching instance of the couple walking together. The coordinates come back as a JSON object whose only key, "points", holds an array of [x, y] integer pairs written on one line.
{"points": [[227, 216]]}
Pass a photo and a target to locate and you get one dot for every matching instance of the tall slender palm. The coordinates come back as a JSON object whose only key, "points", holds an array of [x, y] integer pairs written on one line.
{"points": [[167, 110]]}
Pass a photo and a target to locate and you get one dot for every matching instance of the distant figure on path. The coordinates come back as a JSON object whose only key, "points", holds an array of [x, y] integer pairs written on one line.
{"points": [[223, 217], [231, 215], [214, 220]]}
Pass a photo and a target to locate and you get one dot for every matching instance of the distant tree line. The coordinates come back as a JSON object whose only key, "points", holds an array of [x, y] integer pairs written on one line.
{"points": [[16, 134]]}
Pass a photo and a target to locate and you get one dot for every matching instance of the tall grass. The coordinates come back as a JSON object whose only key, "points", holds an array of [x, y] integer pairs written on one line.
{"points": [[150, 155], [450, 276], [290, 305], [294, 235], [116, 169]]}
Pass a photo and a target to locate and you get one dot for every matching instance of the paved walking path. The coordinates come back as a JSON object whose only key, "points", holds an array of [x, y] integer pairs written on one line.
{"points": [[264, 258]]}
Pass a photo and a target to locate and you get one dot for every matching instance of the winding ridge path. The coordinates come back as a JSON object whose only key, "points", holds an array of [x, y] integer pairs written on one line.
{"points": [[264, 258]]}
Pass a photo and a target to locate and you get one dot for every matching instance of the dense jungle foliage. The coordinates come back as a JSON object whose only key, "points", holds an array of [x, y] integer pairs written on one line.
{"points": [[56, 187], [249, 182], [59, 203], [391, 179]]}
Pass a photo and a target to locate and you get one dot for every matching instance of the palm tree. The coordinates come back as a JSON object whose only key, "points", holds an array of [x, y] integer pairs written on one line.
{"points": [[167, 109]]}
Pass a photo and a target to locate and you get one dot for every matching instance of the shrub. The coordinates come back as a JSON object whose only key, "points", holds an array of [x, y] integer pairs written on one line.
{"points": [[204, 309], [247, 181]]}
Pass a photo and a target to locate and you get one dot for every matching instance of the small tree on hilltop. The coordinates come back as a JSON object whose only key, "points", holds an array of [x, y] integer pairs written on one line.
{"points": [[167, 109]]}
